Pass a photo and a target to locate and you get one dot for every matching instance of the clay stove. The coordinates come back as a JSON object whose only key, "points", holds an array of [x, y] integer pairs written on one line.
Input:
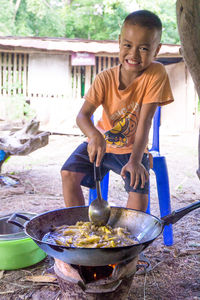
{"points": [[95, 283]]}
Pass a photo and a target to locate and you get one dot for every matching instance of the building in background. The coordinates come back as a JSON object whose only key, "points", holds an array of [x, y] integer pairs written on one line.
{"points": [[53, 74]]}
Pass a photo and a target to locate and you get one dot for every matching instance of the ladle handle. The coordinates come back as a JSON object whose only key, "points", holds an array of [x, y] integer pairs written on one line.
{"points": [[97, 173], [97, 178], [179, 213]]}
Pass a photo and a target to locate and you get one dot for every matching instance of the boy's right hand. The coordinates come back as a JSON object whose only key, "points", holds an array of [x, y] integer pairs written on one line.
{"points": [[96, 148]]}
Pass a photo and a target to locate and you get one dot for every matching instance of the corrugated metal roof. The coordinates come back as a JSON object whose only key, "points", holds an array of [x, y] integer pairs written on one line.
{"points": [[63, 45]]}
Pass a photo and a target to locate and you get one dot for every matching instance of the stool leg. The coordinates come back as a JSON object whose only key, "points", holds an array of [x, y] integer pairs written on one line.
{"points": [[148, 211], [160, 169], [104, 189]]}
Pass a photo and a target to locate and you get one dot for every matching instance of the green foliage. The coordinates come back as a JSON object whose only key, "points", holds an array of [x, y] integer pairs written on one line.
{"points": [[6, 17], [166, 10], [96, 19], [89, 19], [38, 19]]}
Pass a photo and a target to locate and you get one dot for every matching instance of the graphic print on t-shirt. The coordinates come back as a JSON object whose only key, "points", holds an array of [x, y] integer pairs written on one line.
{"points": [[123, 131]]}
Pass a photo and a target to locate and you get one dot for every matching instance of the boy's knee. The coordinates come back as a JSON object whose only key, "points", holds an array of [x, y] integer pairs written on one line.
{"points": [[65, 174], [137, 201], [71, 177]]}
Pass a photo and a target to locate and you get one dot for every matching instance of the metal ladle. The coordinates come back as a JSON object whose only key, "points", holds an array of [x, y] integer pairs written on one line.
{"points": [[99, 209]]}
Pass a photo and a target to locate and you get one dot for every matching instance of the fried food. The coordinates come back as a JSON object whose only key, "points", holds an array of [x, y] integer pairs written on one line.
{"points": [[88, 235]]}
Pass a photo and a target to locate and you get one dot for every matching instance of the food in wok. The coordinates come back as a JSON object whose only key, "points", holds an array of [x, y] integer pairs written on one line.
{"points": [[88, 235]]}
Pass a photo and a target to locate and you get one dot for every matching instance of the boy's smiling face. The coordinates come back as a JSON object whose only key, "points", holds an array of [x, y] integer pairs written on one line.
{"points": [[138, 48]]}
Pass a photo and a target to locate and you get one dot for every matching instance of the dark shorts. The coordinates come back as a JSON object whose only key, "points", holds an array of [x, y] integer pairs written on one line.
{"points": [[79, 162]]}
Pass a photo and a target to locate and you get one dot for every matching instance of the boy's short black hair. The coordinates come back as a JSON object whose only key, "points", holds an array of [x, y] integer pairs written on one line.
{"points": [[144, 18]]}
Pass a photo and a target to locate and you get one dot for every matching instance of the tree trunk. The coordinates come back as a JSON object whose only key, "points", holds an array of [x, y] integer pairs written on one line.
{"points": [[17, 4], [188, 19]]}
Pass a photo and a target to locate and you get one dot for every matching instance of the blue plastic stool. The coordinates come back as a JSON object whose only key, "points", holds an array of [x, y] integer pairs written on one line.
{"points": [[162, 180], [2, 155]]}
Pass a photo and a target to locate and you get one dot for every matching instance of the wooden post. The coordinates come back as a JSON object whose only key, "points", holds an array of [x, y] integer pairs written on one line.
{"points": [[104, 63], [99, 65], [78, 91], [14, 74], [4, 71], [24, 75], [68, 92], [20, 74], [74, 83], [94, 69], [109, 62], [87, 77], [9, 76]]}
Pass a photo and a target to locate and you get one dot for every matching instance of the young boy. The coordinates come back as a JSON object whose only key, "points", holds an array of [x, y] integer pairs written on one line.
{"points": [[129, 94]]}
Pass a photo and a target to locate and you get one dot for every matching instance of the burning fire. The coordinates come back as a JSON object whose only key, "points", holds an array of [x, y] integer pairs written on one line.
{"points": [[113, 266], [104, 272], [91, 274]]}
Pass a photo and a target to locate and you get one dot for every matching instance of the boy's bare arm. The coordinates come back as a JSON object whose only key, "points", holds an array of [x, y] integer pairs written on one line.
{"points": [[96, 144], [134, 166]]}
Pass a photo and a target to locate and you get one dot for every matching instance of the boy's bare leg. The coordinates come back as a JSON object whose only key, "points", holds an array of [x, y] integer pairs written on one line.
{"points": [[137, 201], [72, 192]]}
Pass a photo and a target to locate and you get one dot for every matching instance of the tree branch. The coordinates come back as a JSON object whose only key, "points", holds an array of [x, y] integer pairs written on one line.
{"points": [[17, 5]]}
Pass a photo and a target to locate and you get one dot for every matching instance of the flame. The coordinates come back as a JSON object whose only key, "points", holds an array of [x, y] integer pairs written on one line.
{"points": [[100, 275], [113, 266]]}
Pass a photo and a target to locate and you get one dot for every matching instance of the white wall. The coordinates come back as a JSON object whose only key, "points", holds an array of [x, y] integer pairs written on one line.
{"points": [[181, 115], [48, 75]]}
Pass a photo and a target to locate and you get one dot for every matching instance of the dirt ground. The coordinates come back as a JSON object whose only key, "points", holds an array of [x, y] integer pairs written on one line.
{"points": [[175, 270]]}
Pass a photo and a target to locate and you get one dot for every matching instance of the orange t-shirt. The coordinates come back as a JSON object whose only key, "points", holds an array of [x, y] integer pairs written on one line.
{"points": [[121, 108]]}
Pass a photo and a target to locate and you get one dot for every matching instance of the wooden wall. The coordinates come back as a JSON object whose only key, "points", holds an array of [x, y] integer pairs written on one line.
{"points": [[13, 74], [82, 76], [47, 76]]}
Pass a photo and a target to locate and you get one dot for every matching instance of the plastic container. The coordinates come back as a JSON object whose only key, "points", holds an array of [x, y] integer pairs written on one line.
{"points": [[16, 249]]}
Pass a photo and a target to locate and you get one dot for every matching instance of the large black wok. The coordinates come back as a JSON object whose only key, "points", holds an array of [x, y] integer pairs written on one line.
{"points": [[145, 227]]}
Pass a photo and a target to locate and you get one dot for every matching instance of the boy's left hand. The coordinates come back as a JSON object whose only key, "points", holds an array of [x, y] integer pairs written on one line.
{"points": [[138, 174]]}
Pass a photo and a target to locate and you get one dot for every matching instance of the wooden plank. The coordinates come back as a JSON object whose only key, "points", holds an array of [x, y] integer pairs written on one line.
{"points": [[4, 73], [87, 78], [20, 74], [99, 65], [14, 74], [74, 82], [9, 74], [94, 71], [68, 92], [78, 90], [24, 75], [104, 63], [109, 62]]}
